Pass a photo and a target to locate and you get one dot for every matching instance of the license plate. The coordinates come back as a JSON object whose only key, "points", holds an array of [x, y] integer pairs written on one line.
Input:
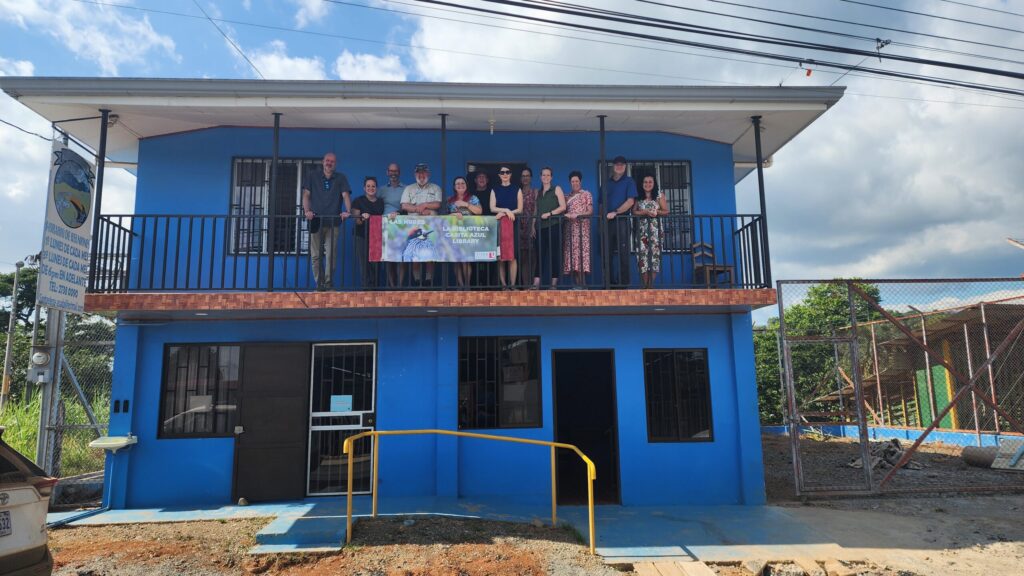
{"points": [[5, 523]]}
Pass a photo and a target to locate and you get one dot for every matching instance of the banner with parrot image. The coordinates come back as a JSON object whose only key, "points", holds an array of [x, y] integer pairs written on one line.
{"points": [[441, 239]]}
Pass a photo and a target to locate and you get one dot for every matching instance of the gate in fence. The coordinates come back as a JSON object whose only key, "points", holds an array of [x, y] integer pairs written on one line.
{"points": [[75, 405], [887, 381]]}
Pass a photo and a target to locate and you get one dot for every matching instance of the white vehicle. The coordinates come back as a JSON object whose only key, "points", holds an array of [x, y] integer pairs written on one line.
{"points": [[24, 499]]}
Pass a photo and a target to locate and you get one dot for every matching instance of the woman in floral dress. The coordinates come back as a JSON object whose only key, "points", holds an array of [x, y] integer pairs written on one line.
{"points": [[650, 204], [579, 208]]}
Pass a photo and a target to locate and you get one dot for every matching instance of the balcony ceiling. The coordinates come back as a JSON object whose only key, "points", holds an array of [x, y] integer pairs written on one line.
{"points": [[153, 107]]}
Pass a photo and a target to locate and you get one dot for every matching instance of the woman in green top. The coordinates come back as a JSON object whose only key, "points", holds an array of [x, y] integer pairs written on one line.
{"points": [[548, 247]]}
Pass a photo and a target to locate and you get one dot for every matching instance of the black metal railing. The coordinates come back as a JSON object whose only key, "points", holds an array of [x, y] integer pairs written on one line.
{"points": [[157, 252]]}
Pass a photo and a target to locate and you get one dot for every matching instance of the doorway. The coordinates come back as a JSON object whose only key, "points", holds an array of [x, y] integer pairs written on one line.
{"points": [[585, 416], [342, 404]]}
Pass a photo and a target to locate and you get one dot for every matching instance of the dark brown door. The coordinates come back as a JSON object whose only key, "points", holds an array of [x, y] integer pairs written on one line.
{"points": [[270, 442], [585, 416]]}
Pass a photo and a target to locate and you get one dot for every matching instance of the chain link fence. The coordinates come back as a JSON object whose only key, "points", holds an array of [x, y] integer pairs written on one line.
{"points": [[81, 410], [903, 385]]}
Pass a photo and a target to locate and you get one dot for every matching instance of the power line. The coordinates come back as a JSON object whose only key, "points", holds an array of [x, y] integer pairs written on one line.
{"points": [[547, 63], [230, 41], [659, 23], [983, 8], [870, 39], [29, 132], [863, 25], [927, 15], [748, 52]]}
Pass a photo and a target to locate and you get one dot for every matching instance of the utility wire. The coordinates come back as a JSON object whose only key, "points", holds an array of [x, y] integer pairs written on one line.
{"points": [[547, 63], [873, 40], [662, 24], [748, 52], [927, 15], [230, 41], [983, 8], [29, 132], [863, 25]]}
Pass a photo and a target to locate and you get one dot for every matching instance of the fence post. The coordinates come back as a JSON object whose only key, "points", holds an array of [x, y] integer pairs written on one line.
{"points": [[858, 389], [991, 376]]}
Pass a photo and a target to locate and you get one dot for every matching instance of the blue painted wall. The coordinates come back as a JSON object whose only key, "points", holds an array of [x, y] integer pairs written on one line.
{"points": [[190, 173], [417, 389]]}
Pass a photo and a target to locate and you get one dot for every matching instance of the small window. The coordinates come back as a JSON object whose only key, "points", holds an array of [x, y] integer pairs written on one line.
{"points": [[200, 391], [678, 396], [499, 382]]}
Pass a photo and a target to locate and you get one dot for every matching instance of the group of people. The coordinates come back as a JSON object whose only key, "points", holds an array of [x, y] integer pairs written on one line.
{"points": [[553, 229]]}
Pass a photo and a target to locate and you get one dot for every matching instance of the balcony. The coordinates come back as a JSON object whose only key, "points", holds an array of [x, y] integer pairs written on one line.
{"points": [[166, 265]]}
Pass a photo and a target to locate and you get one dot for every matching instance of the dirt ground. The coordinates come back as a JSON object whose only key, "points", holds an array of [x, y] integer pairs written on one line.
{"points": [[892, 535], [380, 547]]}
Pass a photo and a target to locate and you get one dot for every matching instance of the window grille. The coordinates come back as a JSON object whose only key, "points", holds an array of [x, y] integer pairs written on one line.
{"points": [[250, 198], [673, 178], [199, 396], [499, 382], [678, 391]]}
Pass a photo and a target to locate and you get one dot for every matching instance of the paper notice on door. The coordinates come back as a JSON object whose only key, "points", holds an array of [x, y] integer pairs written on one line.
{"points": [[341, 403]]}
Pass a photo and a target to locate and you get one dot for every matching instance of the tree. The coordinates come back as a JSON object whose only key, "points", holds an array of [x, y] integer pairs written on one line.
{"points": [[25, 307], [769, 383], [824, 311]]}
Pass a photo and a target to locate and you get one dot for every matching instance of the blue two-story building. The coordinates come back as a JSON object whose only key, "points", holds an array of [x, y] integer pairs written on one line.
{"points": [[240, 380]]}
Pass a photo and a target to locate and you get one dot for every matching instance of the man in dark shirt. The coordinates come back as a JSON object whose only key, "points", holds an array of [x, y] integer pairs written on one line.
{"points": [[326, 196], [369, 204], [483, 192], [621, 193]]}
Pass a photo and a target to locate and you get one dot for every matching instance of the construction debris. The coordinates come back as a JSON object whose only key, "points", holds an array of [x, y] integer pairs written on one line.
{"points": [[885, 455]]}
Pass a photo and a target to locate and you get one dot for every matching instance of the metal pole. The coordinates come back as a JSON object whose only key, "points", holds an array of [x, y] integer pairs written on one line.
{"points": [[760, 189], [970, 374], [444, 150], [51, 391], [878, 377], [858, 390], [5, 388], [272, 204], [928, 369], [101, 158], [991, 376], [602, 201]]}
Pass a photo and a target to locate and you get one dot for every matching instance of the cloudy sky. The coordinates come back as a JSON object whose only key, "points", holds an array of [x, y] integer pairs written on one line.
{"points": [[900, 179]]}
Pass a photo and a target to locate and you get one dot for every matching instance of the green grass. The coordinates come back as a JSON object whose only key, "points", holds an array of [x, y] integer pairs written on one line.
{"points": [[21, 420]]}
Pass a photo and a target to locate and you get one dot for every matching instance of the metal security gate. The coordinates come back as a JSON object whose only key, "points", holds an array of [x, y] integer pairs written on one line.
{"points": [[887, 382], [342, 404]]}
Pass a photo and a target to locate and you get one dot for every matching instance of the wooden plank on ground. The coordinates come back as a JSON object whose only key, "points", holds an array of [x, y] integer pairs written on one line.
{"points": [[645, 569], [810, 566], [697, 568], [669, 568], [835, 568]]}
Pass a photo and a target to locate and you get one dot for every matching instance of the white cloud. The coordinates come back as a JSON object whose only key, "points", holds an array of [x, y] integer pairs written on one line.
{"points": [[309, 11], [275, 64], [25, 165], [247, 4], [351, 66], [107, 36]]}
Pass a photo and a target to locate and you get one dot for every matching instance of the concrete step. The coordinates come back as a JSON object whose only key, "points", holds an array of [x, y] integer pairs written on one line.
{"points": [[304, 531]]}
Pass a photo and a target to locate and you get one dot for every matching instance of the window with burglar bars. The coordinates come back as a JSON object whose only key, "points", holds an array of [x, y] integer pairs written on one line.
{"points": [[499, 382], [678, 395], [250, 200], [199, 396], [673, 178]]}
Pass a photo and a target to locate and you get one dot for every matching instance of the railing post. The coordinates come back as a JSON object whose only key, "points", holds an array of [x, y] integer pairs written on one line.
{"points": [[272, 204], [376, 467], [554, 491], [101, 156], [760, 188], [349, 447]]}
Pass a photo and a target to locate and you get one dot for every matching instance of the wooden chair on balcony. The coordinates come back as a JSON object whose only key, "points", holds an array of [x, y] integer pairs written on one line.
{"points": [[707, 268]]}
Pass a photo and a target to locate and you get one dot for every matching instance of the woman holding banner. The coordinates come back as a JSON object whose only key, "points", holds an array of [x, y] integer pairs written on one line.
{"points": [[462, 203]]}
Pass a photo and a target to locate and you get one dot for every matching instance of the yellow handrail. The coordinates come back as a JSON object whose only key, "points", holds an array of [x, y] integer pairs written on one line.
{"points": [[591, 469]]}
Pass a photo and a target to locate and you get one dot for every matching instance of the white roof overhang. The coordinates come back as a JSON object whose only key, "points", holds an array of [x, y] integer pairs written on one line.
{"points": [[155, 107]]}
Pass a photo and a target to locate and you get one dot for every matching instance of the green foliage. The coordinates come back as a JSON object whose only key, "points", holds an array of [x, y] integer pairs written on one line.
{"points": [[26, 304], [20, 419], [824, 311]]}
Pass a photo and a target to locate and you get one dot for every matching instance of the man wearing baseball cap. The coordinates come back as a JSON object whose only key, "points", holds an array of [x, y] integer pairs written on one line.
{"points": [[422, 198], [621, 190]]}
